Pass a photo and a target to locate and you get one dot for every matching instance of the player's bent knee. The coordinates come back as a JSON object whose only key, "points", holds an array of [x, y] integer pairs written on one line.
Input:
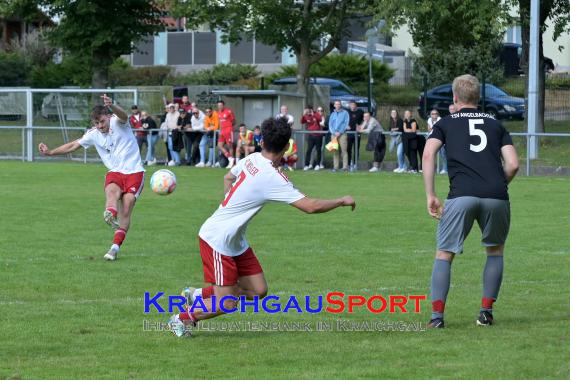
{"points": [[261, 292], [444, 255], [495, 250]]}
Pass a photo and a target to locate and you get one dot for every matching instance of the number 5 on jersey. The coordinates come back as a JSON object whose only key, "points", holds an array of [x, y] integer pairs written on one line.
{"points": [[241, 178], [473, 131]]}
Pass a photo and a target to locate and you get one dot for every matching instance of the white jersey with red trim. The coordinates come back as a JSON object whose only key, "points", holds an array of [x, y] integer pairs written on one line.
{"points": [[118, 148], [257, 183]]}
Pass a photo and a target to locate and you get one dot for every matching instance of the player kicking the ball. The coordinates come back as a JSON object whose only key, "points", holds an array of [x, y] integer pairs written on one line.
{"points": [[230, 265], [482, 161], [117, 146]]}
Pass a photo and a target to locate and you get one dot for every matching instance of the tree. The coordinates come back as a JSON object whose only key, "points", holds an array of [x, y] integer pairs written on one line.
{"points": [[298, 25], [552, 12], [452, 37], [99, 31]]}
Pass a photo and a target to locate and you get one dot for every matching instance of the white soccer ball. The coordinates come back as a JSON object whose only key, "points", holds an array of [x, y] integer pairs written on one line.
{"points": [[163, 182]]}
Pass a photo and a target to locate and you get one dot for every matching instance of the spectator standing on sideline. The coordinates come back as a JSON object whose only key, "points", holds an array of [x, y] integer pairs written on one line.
{"points": [[174, 134], [163, 133], [185, 125], [396, 140], [152, 137], [226, 141], [434, 118], [186, 104], [410, 139], [338, 124], [326, 137], [451, 108], [356, 116], [376, 139], [136, 124], [312, 122], [200, 138], [211, 125], [285, 115]]}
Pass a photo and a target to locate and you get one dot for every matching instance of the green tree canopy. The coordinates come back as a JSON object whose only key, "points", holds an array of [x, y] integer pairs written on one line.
{"points": [[453, 37], [99, 31], [298, 25]]}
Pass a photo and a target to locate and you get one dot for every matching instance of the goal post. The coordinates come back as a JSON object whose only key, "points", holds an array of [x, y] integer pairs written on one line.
{"points": [[54, 116]]}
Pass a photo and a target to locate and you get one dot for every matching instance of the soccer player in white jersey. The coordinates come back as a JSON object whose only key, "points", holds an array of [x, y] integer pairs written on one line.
{"points": [[117, 146], [230, 265]]}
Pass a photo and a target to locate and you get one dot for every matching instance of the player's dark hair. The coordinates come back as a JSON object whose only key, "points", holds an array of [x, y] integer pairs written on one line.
{"points": [[276, 134], [99, 111]]}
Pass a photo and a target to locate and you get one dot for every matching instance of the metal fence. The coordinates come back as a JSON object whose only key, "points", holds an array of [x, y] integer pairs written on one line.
{"points": [[554, 149]]}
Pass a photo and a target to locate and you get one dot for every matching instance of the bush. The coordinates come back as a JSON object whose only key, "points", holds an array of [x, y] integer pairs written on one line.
{"points": [[122, 74], [514, 86], [388, 95], [350, 69], [222, 74], [72, 71], [558, 82], [13, 70], [439, 65]]}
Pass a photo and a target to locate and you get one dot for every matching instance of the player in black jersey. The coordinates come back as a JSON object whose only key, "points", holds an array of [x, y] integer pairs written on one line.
{"points": [[481, 162]]}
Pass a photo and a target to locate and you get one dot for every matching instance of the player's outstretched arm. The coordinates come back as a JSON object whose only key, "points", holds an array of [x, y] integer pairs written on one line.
{"points": [[121, 114], [511, 162], [428, 166], [63, 149], [316, 206]]}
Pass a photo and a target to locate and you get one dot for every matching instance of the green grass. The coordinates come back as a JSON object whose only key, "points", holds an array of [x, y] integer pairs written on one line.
{"points": [[67, 314]]}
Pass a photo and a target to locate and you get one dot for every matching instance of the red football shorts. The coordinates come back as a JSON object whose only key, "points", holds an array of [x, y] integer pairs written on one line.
{"points": [[226, 136], [128, 183], [226, 270]]}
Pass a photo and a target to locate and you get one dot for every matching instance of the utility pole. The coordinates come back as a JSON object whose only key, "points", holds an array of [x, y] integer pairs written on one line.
{"points": [[533, 73], [372, 40]]}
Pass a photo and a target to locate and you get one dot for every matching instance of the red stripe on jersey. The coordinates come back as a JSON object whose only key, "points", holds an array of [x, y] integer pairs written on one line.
{"points": [[283, 175]]}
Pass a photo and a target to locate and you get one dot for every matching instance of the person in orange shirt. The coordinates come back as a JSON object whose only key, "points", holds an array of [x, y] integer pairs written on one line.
{"points": [[211, 125], [245, 142]]}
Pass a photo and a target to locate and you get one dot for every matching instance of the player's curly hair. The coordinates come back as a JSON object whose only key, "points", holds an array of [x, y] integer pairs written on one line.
{"points": [[99, 111], [275, 134]]}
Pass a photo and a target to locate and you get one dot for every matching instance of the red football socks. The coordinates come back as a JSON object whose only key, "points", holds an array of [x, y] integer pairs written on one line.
{"points": [[120, 235]]}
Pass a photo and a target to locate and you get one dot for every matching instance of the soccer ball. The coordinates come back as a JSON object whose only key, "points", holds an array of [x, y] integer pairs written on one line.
{"points": [[163, 182]]}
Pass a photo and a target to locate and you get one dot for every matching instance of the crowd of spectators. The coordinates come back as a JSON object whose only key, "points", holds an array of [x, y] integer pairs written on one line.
{"points": [[209, 138]]}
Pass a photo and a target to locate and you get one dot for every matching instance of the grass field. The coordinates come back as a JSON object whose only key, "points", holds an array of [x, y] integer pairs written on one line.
{"points": [[67, 314]]}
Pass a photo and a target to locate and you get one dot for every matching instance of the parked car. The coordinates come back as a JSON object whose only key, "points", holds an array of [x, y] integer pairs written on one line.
{"points": [[497, 102], [339, 91]]}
